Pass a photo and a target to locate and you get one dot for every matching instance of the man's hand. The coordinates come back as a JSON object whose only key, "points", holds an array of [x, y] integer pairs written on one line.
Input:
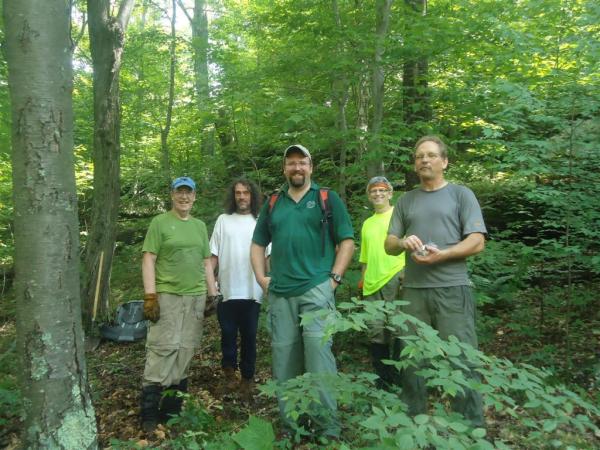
{"points": [[264, 284], [212, 301], [151, 307], [430, 255], [412, 243]]}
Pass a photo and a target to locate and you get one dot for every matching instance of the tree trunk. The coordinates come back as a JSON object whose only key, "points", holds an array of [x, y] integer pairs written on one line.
{"points": [[164, 132], [362, 96], [106, 43], [375, 165], [199, 24], [340, 97], [58, 409], [415, 101]]}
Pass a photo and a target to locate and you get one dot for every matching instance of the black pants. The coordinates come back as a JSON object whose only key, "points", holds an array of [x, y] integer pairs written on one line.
{"points": [[239, 316]]}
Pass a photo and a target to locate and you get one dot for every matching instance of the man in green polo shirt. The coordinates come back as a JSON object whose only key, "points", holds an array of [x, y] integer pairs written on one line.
{"points": [[304, 276], [381, 277]]}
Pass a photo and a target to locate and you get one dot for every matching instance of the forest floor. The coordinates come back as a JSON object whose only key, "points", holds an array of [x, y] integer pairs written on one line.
{"points": [[115, 376], [115, 372]]}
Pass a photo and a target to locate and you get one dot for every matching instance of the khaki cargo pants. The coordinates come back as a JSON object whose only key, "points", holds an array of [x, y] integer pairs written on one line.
{"points": [[378, 331], [173, 340]]}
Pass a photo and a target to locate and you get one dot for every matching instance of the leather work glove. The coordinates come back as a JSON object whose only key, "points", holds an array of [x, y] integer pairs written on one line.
{"points": [[211, 304], [151, 307]]}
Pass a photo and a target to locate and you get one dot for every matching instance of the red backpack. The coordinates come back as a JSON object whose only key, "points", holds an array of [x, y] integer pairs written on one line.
{"points": [[326, 219]]}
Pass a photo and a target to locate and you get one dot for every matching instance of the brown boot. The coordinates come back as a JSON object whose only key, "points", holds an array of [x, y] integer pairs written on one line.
{"points": [[247, 390], [230, 381]]}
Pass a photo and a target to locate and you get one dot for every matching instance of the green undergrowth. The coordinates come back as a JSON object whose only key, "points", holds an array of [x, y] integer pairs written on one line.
{"points": [[526, 406]]}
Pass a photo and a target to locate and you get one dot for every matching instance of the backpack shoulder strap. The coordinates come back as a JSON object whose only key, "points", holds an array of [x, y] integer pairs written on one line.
{"points": [[272, 200], [327, 219], [324, 200]]}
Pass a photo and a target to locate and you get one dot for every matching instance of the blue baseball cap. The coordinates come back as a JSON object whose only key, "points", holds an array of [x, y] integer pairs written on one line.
{"points": [[183, 181]]}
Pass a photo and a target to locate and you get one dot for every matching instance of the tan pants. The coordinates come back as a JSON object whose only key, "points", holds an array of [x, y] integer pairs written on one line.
{"points": [[378, 331], [172, 341]]}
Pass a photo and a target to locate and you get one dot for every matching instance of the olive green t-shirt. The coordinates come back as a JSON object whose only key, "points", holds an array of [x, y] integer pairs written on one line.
{"points": [[298, 262], [180, 247]]}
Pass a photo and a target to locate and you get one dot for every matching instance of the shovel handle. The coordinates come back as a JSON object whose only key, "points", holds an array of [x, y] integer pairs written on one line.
{"points": [[98, 279]]}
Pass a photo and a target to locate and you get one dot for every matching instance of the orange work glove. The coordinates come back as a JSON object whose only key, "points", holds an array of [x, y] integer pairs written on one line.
{"points": [[360, 284], [151, 307]]}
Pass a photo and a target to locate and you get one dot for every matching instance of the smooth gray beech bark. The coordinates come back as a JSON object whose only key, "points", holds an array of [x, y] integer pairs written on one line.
{"points": [[58, 409], [107, 34]]}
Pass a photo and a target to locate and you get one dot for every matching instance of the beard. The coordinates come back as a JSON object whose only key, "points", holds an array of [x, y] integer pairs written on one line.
{"points": [[297, 182], [242, 207]]}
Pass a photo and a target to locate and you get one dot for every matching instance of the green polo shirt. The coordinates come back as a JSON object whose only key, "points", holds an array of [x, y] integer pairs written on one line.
{"points": [[294, 230]]}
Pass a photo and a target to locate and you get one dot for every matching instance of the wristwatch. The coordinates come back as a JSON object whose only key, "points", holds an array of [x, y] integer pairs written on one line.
{"points": [[336, 277]]}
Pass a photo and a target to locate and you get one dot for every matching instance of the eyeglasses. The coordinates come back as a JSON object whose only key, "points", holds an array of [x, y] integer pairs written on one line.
{"points": [[301, 164], [428, 155], [378, 191], [184, 193]]}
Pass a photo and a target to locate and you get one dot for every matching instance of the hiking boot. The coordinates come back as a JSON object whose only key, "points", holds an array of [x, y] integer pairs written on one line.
{"points": [[386, 373], [247, 389], [149, 407], [171, 404], [230, 382]]}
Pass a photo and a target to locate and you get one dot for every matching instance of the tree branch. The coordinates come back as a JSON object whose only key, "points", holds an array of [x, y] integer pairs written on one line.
{"points": [[81, 33], [124, 14], [190, 18]]}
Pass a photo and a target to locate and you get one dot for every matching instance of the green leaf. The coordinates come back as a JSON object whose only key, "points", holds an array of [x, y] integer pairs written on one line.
{"points": [[478, 433], [257, 435], [550, 425], [421, 419], [458, 427], [405, 442]]}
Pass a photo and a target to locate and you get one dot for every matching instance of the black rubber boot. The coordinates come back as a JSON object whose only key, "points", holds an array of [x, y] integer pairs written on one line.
{"points": [[171, 405], [149, 407], [380, 352]]}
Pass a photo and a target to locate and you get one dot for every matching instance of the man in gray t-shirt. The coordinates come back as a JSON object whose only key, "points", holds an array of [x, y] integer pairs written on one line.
{"points": [[439, 225]]}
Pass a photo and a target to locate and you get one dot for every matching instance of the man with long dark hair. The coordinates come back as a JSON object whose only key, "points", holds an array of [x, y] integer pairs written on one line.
{"points": [[238, 311]]}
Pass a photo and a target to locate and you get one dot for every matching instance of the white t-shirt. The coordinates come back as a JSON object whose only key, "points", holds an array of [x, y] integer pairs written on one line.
{"points": [[230, 242]]}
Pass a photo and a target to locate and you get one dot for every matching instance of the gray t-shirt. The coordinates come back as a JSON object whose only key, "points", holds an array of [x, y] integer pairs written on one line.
{"points": [[445, 217]]}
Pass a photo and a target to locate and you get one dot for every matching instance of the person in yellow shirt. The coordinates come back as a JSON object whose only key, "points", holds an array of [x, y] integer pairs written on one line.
{"points": [[381, 276]]}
